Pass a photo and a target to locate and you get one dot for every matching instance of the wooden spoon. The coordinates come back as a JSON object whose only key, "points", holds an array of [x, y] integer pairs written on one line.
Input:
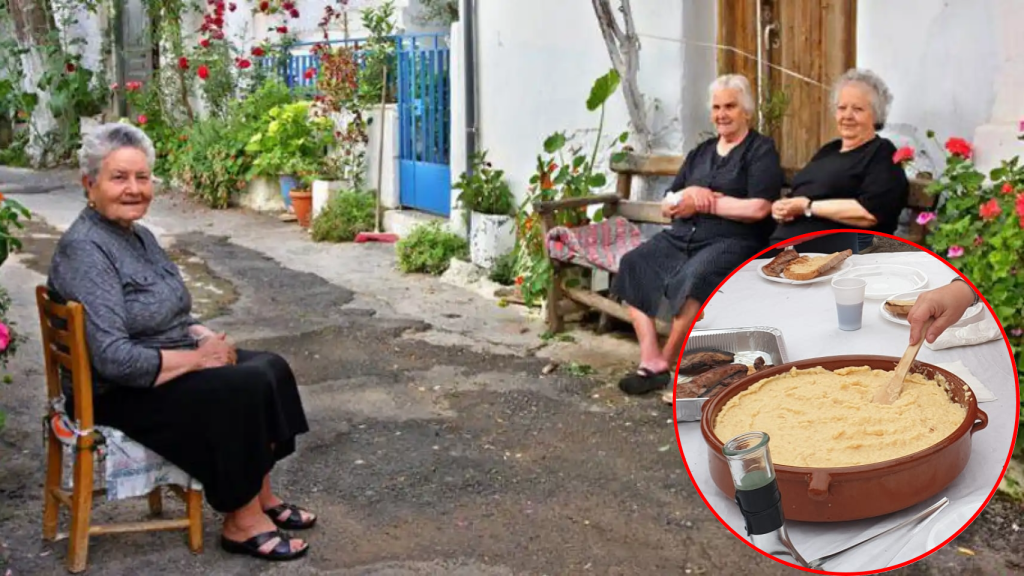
{"points": [[891, 391]]}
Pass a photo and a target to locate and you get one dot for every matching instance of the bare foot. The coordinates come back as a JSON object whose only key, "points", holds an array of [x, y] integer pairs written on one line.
{"points": [[273, 501], [240, 529]]}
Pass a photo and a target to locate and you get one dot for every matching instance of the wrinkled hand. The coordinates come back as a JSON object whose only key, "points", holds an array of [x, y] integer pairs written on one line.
{"points": [[789, 209], [703, 198], [684, 208], [217, 351], [946, 304]]}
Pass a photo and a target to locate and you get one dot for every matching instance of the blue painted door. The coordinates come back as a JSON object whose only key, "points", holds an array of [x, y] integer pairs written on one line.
{"points": [[424, 105]]}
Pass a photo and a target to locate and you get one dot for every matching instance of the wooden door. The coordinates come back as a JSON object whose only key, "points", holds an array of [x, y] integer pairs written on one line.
{"points": [[815, 40]]}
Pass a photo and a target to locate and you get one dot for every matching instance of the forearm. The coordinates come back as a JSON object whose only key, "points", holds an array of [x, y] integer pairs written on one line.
{"points": [[843, 211], [742, 209], [175, 363], [962, 293]]}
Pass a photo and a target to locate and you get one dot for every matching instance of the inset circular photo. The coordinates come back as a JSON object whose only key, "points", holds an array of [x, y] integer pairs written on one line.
{"points": [[845, 412]]}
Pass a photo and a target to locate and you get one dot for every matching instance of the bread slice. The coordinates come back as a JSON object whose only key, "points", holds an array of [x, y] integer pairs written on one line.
{"points": [[810, 268], [779, 263], [899, 307]]}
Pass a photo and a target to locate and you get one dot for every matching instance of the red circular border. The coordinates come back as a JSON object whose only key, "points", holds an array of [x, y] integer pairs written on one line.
{"points": [[794, 241]]}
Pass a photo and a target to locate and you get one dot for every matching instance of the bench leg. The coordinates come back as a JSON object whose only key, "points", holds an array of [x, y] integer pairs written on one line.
{"points": [[194, 509], [81, 510], [156, 502], [555, 296], [54, 468]]}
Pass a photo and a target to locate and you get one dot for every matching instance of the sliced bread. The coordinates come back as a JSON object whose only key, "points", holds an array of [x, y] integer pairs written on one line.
{"points": [[779, 263], [805, 268], [899, 307]]}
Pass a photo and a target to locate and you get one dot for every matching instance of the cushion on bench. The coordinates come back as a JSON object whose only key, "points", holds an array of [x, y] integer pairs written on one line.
{"points": [[600, 245]]}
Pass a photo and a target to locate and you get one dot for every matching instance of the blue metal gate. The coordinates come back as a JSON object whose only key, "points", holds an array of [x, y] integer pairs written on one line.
{"points": [[424, 125]]}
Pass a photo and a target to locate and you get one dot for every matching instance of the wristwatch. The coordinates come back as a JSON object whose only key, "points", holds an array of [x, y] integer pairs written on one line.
{"points": [[977, 298], [807, 210]]}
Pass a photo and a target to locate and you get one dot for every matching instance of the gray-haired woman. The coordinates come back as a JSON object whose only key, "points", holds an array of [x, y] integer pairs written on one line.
{"points": [[223, 415], [719, 220], [851, 182]]}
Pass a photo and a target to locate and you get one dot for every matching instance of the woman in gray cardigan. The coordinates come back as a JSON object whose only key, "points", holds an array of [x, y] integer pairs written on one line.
{"points": [[225, 416]]}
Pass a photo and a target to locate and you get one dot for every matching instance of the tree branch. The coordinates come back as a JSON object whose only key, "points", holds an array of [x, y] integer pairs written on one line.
{"points": [[611, 32]]}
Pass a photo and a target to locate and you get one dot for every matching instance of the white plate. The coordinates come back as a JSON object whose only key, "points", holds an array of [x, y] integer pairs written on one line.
{"points": [[827, 276], [885, 280], [971, 315]]}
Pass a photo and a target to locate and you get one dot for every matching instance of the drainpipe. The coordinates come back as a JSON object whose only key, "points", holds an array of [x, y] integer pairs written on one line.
{"points": [[469, 57]]}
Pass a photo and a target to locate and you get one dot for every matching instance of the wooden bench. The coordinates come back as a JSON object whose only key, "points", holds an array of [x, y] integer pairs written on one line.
{"points": [[563, 298]]}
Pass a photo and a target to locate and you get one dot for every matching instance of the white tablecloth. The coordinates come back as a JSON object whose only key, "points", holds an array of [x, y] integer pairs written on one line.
{"points": [[806, 315]]}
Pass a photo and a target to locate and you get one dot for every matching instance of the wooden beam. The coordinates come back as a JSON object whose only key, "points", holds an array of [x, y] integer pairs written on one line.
{"points": [[638, 211], [608, 306], [644, 165], [570, 203]]}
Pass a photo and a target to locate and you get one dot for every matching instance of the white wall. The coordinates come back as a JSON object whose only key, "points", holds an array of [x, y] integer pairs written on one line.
{"points": [[537, 61]]}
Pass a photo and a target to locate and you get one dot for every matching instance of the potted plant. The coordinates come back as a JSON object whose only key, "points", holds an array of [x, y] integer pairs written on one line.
{"points": [[490, 204], [10, 212], [291, 142]]}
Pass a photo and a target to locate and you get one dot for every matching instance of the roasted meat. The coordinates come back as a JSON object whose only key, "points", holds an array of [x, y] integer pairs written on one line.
{"points": [[703, 361], [710, 379]]}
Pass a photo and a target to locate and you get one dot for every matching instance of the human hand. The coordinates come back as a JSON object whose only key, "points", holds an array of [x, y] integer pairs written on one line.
{"points": [[703, 198], [216, 352], [789, 209], [946, 305]]}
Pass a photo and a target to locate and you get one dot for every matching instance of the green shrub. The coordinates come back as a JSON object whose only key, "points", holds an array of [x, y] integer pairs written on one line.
{"points": [[429, 248], [347, 214], [504, 270]]}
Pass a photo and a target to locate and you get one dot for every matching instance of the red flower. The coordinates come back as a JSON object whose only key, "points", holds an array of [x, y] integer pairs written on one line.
{"points": [[282, 29], [205, 42], [1007, 188], [218, 22], [978, 241], [257, 51], [70, 67], [218, 34], [264, 6], [959, 147], [1020, 204], [133, 86], [310, 74], [294, 13], [519, 280], [990, 209], [183, 63], [232, 6], [142, 119], [244, 63], [203, 72], [902, 155], [289, 5]]}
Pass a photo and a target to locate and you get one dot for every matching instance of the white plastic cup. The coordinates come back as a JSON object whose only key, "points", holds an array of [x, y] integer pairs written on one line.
{"points": [[849, 293]]}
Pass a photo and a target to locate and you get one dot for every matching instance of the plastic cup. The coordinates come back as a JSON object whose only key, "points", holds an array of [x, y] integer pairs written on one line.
{"points": [[849, 293]]}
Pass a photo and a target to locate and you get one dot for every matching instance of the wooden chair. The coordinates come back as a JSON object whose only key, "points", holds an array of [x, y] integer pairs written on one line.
{"points": [[562, 298], [63, 338]]}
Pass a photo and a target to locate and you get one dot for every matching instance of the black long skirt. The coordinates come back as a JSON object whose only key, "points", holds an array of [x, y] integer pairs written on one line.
{"points": [[659, 275], [218, 424]]}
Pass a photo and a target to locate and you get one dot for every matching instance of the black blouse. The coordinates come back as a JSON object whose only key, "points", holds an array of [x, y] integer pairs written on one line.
{"points": [[750, 170], [866, 174]]}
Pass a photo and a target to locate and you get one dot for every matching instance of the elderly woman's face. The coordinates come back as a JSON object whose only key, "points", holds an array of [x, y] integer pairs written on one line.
{"points": [[123, 187], [727, 113], [855, 118]]}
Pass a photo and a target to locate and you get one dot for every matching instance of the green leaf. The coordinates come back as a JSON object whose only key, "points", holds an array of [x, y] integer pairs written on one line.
{"points": [[598, 215], [597, 180], [620, 156], [554, 143], [623, 137], [603, 88]]}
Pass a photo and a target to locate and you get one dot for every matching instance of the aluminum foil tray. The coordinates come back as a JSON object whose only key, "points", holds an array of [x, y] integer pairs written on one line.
{"points": [[747, 344]]}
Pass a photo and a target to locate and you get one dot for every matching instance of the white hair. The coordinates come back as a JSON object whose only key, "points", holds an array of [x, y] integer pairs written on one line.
{"points": [[108, 138], [881, 97], [736, 82]]}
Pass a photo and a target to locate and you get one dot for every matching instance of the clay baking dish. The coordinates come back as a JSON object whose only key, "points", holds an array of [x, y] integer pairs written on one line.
{"points": [[856, 492]]}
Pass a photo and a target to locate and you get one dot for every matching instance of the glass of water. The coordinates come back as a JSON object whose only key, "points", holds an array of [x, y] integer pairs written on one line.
{"points": [[849, 293]]}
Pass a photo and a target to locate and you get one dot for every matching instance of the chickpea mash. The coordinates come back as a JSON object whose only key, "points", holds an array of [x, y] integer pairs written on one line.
{"points": [[820, 418]]}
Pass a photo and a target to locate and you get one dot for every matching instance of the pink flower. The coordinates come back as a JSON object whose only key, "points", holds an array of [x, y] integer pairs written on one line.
{"points": [[1021, 126], [142, 119], [925, 217], [115, 86], [902, 155], [955, 252], [5, 336], [1017, 332]]}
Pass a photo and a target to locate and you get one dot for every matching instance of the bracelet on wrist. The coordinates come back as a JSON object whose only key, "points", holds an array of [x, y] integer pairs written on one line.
{"points": [[977, 298]]}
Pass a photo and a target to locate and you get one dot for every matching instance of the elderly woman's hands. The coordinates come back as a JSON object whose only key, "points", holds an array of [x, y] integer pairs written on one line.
{"points": [[789, 209], [217, 351]]}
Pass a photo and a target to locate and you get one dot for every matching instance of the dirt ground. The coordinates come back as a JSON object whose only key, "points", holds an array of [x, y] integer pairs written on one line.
{"points": [[425, 456]]}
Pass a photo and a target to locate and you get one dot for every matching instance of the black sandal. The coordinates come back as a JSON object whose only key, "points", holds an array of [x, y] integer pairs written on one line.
{"points": [[644, 382], [294, 520], [281, 552]]}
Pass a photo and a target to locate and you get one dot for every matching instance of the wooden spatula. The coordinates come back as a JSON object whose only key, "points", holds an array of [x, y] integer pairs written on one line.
{"points": [[891, 391]]}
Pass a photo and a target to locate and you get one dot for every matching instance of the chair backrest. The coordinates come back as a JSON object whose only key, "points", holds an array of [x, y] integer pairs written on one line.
{"points": [[63, 335]]}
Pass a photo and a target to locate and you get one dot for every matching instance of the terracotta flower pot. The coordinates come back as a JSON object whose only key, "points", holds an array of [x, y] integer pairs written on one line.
{"points": [[302, 203]]}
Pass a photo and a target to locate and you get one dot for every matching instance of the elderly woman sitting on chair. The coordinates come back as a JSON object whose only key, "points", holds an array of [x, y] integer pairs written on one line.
{"points": [[719, 220], [225, 416]]}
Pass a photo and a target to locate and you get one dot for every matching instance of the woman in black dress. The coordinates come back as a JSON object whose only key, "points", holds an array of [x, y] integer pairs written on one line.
{"points": [[719, 220], [224, 416], [852, 182]]}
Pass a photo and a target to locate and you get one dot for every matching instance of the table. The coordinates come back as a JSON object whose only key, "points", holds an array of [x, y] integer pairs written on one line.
{"points": [[806, 316]]}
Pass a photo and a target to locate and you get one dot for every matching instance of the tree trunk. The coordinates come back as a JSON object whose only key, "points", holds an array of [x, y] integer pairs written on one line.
{"points": [[624, 51], [32, 26]]}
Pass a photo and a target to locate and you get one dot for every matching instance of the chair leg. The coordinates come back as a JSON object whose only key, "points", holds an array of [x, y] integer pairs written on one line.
{"points": [[194, 509], [51, 506], [156, 502], [81, 509]]}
